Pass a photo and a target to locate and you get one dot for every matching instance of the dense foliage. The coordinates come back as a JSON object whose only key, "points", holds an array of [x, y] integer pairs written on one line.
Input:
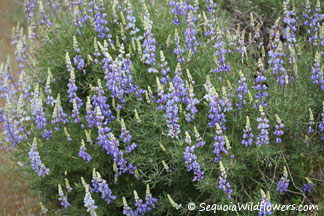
{"points": [[132, 107]]}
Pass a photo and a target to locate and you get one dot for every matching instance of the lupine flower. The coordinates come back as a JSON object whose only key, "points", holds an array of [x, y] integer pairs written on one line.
{"points": [[307, 188], [263, 127], [223, 184], [120, 79], [210, 23], [199, 141], [100, 185], [311, 122], [149, 42], [126, 209], [216, 114], [172, 112], [44, 18], [161, 97], [266, 206], [191, 102], [290, 21], [180, 8], [40, 118], [225, 101], [141, 207], [89, 203], [321, 126], [247, 134], [276, 61], [72, 88], [62, 197], [313, 22], [279, 129], [284, 182], [219, 145], [164, 69], [242, 90], [29, 7], [178, 50], [78, 60], [190, 33], [99, 19], [131, 21], [100, 100], [35, 160], [58, 114], [48, 91], [83, 154], [220, 55], [260, 86], [125, 136], [191, 159], [317, 72]]}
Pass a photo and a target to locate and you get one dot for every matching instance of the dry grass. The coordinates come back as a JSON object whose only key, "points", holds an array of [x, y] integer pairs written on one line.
{"points": [[15, 198]]}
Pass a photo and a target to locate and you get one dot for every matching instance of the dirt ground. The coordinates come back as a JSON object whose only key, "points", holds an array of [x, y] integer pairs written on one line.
{"points": [[15, 198]]}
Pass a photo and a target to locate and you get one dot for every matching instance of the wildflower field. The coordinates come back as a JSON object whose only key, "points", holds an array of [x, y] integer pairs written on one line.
{"points": [[165, 107]]}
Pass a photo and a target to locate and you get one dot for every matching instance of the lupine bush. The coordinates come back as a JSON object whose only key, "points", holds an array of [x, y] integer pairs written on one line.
{"points": [[140, 107]]}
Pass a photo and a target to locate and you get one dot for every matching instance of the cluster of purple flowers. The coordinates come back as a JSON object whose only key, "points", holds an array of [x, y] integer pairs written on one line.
{"points": [[172, 110], [220, 54], [100, 185], [290, 21], [89, 203], [29, 9], [191, 102], [21, 47], [149, 42], [307, 188], [35, 160], [317, 72], [313, 21], [62, 197], [178, 50], [276, 60], [260, 86], [44, 18], [99, 19], [266, 206], [165, 69], [219, 145], [126, 137], [141, 207], [77, 59], [120, 79], [283, 184], [279, 129], [247, 134], [191, 39], [321, 125], [223, 184], [242, 90], [216, 114], [58, 114], [263, 127], [191, 159], [83, 154], [179, 9], [311, 122]]}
